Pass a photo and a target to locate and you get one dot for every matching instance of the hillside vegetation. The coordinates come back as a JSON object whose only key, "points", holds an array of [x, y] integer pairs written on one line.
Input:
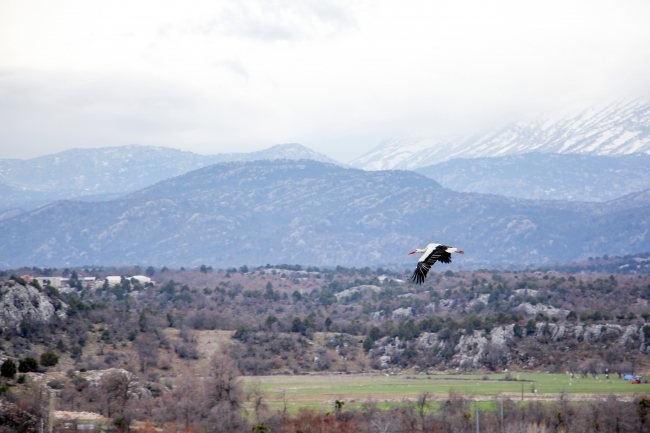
{"points": [[291, 319], [133, 352]]}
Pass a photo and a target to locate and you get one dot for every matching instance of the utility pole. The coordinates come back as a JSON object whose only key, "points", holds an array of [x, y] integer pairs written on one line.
{"points": [[50, 417], [478, 428], [502, 412], [522, 392]]}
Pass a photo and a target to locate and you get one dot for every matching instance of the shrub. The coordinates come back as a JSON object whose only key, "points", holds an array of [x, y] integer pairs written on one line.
{"points": [[55, 384], [120, 423], [49, 359], [28, 364], [517, 330], [241, 333], [186, 351], [8, 369], [367, 344]]}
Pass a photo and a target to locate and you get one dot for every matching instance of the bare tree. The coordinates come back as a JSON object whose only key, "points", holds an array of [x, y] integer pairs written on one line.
{"points": [[147, 346], [185, 404], [117, 387], [422, 404], [224, 394], [384, 422], [256, 396], [224, 383]]}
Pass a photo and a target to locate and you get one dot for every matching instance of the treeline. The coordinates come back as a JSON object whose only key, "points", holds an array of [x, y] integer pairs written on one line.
{"points": [[217, 402], [629, 264]]}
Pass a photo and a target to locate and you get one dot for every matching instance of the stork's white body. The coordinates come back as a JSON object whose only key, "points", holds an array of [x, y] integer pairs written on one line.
{"points": [[429, 248]]}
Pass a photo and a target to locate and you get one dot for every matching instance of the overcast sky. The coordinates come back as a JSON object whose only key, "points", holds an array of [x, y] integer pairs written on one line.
{"points": [[339, 77]]}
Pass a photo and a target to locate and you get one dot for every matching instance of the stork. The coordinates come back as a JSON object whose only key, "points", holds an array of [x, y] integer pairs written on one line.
{"points": [[430, 255]]}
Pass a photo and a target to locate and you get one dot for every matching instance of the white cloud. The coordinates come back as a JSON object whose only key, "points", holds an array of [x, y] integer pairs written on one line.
{"points": [[336, 76], [271, 21]]}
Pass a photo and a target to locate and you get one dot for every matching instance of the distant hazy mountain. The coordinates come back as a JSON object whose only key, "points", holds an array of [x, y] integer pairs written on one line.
{"points": [[313, 213], [113, 170], [618, 129], [546, 175]]}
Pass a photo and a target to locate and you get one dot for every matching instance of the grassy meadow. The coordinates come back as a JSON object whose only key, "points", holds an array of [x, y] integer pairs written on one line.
{"points": [[320, 391]]}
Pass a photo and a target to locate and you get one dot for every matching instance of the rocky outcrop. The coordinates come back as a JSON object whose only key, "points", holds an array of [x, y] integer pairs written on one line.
{"points": [[618, 334], [387, 348], [502, 335], [402, 313], [352, 290], [532, 310], [442, 305], [497, 348], [473, 348], [482, 299], [470, 350], [18, 303], [129, 381]]}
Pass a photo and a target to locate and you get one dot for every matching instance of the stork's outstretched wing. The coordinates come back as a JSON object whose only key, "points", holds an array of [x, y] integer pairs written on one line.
{"points": [[438, 254]]}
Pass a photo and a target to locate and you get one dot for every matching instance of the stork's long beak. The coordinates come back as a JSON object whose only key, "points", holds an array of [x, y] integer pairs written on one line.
{"points": [[412, 252], [460, 252]]}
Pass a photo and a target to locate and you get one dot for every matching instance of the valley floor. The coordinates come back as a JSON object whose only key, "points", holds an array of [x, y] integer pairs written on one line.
{"points": [[322, 390]]}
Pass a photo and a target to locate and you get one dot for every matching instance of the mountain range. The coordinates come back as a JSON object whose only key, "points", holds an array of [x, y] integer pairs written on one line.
{"points": [[617, 129], [551, 190], [546, 176], [596, 155], [109, 172], [316, 213]]}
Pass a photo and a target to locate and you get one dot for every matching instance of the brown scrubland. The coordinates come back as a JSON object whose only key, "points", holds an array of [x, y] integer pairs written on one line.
{"points": [[168, 356]]}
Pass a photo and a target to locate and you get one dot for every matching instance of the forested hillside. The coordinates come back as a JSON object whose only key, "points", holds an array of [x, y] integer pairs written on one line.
{"points": [[317, 214], [290, 319], [132, 352]]}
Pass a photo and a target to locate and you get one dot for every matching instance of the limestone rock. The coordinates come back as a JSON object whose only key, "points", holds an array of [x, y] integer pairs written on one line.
{"points": [[351, 291], [532, 310], [18, 303], [402, 313]]}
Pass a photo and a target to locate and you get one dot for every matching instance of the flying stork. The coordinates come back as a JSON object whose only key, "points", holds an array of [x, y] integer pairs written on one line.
{"points": [[431, 254]]}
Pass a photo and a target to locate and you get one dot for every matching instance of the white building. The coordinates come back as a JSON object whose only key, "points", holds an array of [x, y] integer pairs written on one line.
{"points": [[142, 279], [48, 281], [113, 279]]}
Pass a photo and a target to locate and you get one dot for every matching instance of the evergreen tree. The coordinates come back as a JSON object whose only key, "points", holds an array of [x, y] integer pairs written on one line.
{"points": [[49, 359], [28, 364], [8, 369]]}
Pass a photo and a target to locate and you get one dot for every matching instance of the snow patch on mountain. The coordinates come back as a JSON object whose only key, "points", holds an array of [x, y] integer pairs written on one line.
{"points": [[620, 128]]}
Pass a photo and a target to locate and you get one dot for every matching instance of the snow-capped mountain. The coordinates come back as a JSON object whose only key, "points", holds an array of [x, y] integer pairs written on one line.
{"points": [[617, 129]]}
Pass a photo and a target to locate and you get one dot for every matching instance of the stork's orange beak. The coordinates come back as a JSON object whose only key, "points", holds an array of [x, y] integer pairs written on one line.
{"points": [[460, 252], [412, 252]]}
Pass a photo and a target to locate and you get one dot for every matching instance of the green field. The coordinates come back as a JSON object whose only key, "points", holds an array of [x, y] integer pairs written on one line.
{"points": [[319, 391]]}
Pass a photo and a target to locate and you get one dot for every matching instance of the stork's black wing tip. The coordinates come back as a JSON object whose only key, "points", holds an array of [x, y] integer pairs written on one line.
{"points": [[418, 276]]}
